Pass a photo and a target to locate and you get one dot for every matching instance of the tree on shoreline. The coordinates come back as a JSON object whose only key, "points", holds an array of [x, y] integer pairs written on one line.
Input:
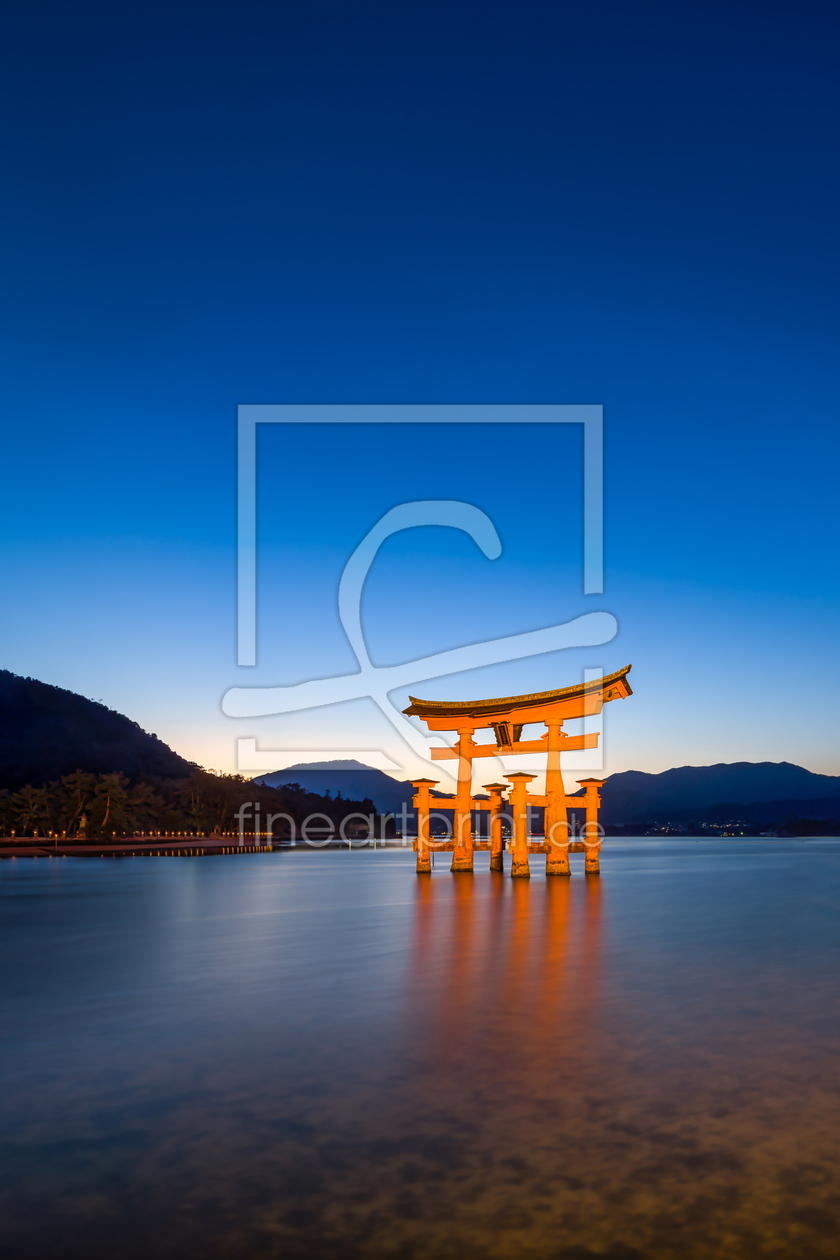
{"points": [[112, 805]]}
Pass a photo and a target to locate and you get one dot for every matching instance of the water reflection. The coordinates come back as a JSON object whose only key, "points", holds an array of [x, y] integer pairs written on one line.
{"points": [[504, 972], [574, 1114], [322, 1056]]}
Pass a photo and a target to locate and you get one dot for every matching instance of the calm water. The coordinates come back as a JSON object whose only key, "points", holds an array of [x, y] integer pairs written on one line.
{"points": [[315, 1054]]}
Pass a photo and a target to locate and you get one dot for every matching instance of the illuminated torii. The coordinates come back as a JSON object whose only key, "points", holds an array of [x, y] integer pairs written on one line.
{"points": [[507, 716]]}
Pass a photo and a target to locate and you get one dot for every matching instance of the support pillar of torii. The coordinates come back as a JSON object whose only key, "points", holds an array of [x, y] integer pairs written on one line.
{"points": [[591, 830], [520, 867], [462, 854], [421, 804], [497, 805], [556, 824], [520, 844]]}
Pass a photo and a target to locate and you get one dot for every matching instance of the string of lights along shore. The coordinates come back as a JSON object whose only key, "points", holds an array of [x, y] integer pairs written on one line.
{"points": [[507, 717]]}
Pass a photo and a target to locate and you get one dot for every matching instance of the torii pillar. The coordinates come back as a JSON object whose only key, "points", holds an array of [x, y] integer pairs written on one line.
{"points": [[497, 848], [462, 852], [556, 824], [520, 866], [592, 829], [421, 804]]}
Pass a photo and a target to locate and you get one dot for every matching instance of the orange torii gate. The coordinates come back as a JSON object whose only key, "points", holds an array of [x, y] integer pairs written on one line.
{"points": [[507, 717]]}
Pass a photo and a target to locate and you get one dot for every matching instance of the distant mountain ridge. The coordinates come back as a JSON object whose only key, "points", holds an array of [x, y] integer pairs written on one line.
{"points": [[636, 796], [47, 732], [351, 778], [702, 793]]}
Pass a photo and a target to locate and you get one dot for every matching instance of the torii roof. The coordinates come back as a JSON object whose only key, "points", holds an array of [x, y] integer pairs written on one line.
{"points": [[508, 704]]}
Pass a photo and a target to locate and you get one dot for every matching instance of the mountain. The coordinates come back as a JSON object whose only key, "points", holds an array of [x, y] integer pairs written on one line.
{"points": [[765, 791], [351, 778], [697, 790], [771, 812], [46, 732]]}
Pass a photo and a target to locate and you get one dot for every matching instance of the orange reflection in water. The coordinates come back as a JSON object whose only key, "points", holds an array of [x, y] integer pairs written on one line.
{"points": [[566, 1124], [505, 974]]}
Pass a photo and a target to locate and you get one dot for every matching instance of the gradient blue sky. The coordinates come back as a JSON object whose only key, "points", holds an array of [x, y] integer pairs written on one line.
{"points": [[212, 204]]}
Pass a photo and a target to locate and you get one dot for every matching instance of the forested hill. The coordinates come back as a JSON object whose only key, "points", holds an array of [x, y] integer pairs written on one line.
{"points": [[47, 732], [634, 795]]}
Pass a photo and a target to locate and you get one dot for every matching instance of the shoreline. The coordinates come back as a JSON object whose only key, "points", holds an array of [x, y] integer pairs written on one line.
{"points": [[221, 847]]}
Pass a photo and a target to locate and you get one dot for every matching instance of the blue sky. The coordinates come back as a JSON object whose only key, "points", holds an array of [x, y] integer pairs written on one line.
{"points": [[629, 205]]}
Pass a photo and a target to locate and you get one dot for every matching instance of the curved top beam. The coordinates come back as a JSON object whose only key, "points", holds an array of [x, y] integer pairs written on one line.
{"points": [[613, 687]]}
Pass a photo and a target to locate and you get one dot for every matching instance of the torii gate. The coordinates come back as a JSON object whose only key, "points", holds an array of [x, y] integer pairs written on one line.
{"points": [[507, 716]]}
